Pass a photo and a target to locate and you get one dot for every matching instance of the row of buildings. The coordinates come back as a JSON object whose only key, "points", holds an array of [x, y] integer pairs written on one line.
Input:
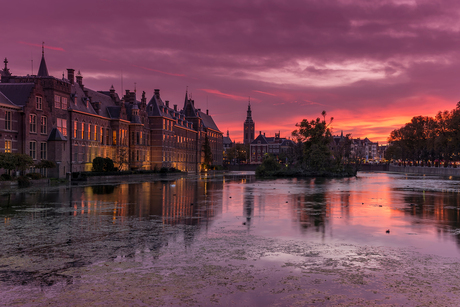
{"points": [[261, 144], [61, 120]]}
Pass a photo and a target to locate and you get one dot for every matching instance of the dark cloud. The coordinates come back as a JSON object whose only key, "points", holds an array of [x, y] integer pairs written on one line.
{"points": [[360, 57]]}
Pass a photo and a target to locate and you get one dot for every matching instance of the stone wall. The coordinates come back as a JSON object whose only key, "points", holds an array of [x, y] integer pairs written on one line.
{"points": [[425, 170]]}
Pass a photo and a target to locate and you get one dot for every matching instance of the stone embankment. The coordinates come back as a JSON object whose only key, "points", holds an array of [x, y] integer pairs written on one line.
{"points": [[425, 170]]}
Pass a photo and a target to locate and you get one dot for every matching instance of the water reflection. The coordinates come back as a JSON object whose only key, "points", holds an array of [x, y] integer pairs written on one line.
{"points": [[76, 226]]}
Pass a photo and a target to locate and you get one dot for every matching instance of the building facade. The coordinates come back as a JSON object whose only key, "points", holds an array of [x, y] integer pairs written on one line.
{"points": [[64, 121], [269, 145]]}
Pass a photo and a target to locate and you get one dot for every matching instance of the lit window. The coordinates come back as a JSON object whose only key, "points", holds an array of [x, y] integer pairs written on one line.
{"points": [[57, 102], [43, 125], [89, 131], [38, 102], [33, 123], [32, 149], [62, 126], [7, 120], [75, 128], [95, 132], [7, 145], [114, 138], [82, 131], [43, 151]]}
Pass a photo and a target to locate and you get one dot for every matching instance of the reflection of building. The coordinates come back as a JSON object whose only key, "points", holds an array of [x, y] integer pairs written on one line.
{"points": [[269, 145], [366, 149], [62, 120], [249, 127]]}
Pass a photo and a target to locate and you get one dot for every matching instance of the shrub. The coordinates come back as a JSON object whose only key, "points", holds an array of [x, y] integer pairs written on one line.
{"points": [[34, 176], [5, 177], [23, 182], [103, 165]]}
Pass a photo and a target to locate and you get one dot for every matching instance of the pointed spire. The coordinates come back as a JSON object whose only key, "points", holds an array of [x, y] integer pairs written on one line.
{"points": [[43, 70]]}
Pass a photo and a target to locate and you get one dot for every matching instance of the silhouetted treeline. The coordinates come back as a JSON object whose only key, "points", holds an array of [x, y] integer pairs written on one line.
{"points": [[427, 138]]}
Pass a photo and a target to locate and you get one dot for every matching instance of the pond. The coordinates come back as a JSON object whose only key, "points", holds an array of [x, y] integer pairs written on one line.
{"points": [[226, 239]]}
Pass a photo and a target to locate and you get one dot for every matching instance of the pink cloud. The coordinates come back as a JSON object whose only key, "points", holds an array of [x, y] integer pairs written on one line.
{"points": [[264, 93], [219, 93], [45, 46], [159, 71]]}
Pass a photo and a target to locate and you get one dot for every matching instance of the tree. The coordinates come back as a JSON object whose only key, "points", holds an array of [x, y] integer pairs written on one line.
{"points": [[207, 153], [316, 136]]}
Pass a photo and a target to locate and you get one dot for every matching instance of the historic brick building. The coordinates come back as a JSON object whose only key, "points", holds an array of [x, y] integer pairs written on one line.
{"points": [[249, 127], [269, 145], [64, 121]]}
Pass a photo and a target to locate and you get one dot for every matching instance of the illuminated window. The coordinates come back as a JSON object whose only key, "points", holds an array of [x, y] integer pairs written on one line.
{"points": [[82, 131], [32, 149], [114, 138], [57, 102], [95, 132], [7, 145], [38, 102], [102, 135], [75, 128], [62, 126], [33, 123], [43, 151], [43, 125], [7, 120], [89, 131]]}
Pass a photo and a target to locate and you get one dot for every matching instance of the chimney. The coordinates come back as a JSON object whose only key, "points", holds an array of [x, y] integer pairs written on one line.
{"points": [[157, 93], [71, 75], [167, 103], [207, 113], [175, 107], [80, 79]]}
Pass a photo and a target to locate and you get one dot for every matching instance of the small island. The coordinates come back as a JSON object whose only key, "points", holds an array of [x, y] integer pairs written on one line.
{"points": [[315, 153]]}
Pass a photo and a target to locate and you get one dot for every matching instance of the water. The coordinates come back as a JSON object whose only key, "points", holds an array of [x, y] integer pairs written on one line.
{"points": [[218, 239]]}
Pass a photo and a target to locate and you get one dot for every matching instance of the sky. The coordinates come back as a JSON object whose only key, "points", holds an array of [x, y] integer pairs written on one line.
{"points": [[372, 65]]}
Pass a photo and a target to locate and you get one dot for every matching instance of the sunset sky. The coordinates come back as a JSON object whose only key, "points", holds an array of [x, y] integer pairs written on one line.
{"points": [[372, 65]]}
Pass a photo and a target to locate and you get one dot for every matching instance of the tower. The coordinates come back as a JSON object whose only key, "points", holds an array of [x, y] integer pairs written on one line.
{"points": [[249, 125]]}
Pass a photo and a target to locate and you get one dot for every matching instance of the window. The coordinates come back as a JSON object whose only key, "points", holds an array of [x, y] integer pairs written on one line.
{"points": [[43, 125], [82, 131], [95, 132], [107, 135], [75, 129], [64, 103], [62, 126], [32, 149], [114, 138], [57, 102], [33, 123], [38, 102], [43, 151], [102, 135], [89, 131], [7, 145], [7, 120]]}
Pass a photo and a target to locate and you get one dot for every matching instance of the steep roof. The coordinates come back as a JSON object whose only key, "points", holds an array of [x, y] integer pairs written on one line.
{"points": [[208, 122], [5, 102], [17, 93], [42, 70], [56, 135], [260, 138]]}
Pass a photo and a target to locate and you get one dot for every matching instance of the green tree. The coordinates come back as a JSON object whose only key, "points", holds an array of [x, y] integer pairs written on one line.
{"points": [[103, 165], [207, 153], [316, 136]]}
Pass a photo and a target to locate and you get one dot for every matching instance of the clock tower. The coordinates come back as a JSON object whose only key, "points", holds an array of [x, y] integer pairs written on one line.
{"points": [[248, 136]]}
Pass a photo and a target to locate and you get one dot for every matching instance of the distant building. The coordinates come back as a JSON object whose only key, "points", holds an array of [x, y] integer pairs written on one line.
{"points": [[269, 145], [249, 127], [62, 120], [227, 142]]}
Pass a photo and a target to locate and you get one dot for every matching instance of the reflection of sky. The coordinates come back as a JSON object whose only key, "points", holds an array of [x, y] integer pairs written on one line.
{"points": [[420, 212]]}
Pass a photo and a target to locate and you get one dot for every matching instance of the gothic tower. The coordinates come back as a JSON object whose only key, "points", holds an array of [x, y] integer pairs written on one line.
{"points": [[248, 127]]}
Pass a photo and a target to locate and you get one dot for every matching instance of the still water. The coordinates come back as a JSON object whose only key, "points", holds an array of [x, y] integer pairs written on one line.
{"points": [[216, 230]]}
